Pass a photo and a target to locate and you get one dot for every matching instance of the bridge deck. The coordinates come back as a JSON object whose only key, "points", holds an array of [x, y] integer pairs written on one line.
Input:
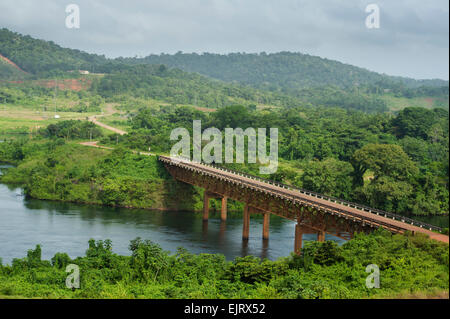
{"points": [[321, 202]]}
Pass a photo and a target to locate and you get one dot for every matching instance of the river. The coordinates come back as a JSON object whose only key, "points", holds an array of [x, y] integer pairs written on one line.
{"points": [[67, 227]]}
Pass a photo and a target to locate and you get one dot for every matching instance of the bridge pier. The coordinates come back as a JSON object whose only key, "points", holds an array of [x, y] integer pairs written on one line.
{"points": [[266, 224], [223, 208], [299, 230], [246, 223], [321, 236], [205, 206]]}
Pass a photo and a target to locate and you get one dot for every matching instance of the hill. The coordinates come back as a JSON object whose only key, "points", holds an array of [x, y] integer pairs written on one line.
{"points": [[283, 70], [10, 71], [178, 87], [45, 58], [212, 80]]}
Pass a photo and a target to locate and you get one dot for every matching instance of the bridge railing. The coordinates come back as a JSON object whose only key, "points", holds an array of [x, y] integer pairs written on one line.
{"points": [[333, 199]]}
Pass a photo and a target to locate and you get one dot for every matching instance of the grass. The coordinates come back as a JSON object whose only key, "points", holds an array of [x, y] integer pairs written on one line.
{"points": [[13, 117], [40, 113], [399, 103]]}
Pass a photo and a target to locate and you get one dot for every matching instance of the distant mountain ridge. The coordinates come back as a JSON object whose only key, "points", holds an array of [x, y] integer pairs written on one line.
{"points": [[285, 70], [275, 71], [42, 58]]}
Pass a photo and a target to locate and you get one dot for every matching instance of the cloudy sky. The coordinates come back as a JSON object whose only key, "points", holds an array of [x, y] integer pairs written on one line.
{"points": [[412, 39]]}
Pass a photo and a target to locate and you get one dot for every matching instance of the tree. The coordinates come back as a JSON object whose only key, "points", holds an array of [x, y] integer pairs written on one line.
{"points": [[414, 122], [292, 142], [148, 259], [330, 177], [231, 116], [416, 148], [383, 160], [393, 172], [386, 193]]}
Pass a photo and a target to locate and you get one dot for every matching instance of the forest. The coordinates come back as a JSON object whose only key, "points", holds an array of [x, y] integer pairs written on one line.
{"points": [[176, 87], [394, 163], [283, 70], [397, 163], [284, 73]]}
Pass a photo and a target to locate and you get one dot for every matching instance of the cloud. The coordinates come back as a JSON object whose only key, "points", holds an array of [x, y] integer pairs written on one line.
{"points": [[412, 40]]}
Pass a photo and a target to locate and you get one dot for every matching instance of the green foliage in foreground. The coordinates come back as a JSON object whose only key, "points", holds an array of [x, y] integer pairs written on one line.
{"points": [[407, 265]]}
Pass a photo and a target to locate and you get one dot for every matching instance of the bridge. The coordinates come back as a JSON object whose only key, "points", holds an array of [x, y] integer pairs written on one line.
{"points": [[313, 212]]}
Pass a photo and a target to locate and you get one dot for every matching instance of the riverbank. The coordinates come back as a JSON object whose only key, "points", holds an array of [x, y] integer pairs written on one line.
{"points": [[69, 172], [325, 270]]}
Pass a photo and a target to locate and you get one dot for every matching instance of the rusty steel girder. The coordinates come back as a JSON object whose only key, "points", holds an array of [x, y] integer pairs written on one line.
{"points": [[260, 201]]}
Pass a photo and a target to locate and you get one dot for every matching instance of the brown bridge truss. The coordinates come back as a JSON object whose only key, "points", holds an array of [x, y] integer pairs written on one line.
{"points": [[314, 213]]}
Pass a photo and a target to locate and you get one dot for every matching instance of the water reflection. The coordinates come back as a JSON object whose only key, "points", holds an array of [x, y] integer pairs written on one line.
{"points": [[265, 248], [244, 250], [222, 228]]}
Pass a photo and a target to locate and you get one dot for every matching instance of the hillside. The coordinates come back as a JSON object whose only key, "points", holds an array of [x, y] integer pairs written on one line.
{"points": [[212, 80], [285, 70], [178, 87], [10, 71], [45, 58]]}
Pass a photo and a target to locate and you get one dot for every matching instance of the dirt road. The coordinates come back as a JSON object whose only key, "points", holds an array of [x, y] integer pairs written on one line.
{"points": [[110, 128]]}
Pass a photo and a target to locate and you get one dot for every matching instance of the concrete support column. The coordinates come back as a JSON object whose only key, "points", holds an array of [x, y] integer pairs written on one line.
{"points": [[266, 224], [321, 236], [205, 206], [298, 238], [223, 209], [246, 223]]}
